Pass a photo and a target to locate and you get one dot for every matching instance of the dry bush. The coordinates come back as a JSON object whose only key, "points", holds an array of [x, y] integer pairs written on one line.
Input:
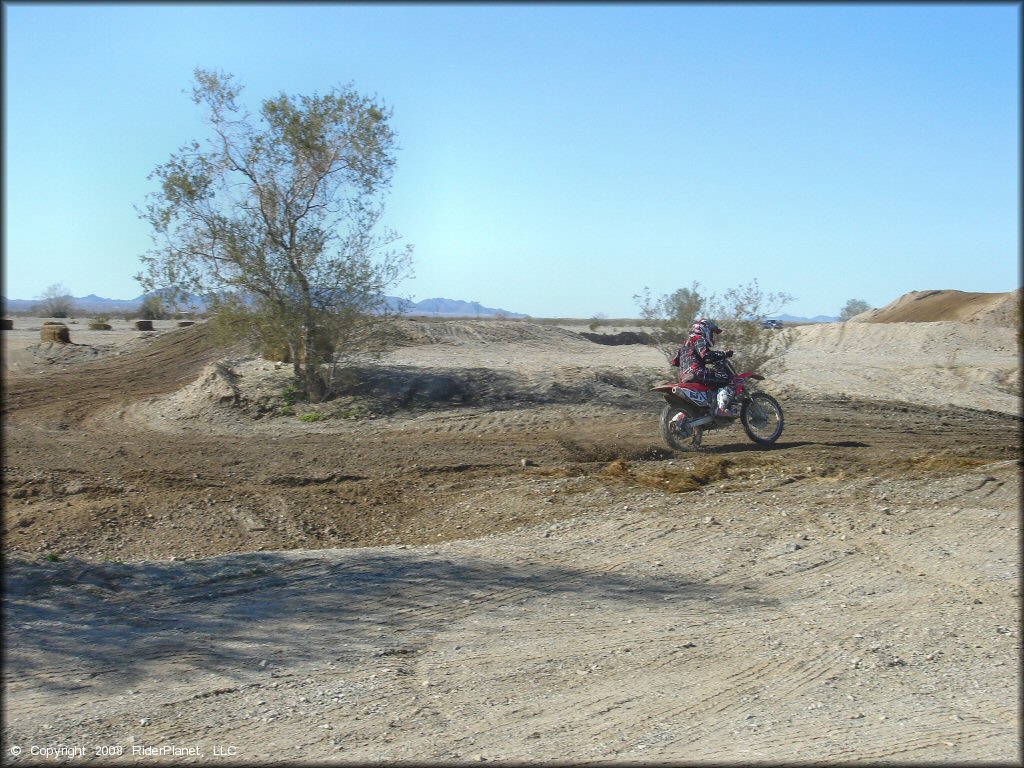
{"points": [[99, 326], [56, 302], [153, 308], [739, 312], [666, 321]]}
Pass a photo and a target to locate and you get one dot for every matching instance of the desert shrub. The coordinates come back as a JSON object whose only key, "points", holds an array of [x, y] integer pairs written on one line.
{"points": [[667, 321], [152, 308], [853, 307], [291, 395], [55, 302], [741, 311], [352, 412], [308, 418]]}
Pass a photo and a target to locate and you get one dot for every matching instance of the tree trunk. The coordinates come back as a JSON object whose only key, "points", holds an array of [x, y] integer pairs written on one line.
{"points": [[296, 361], [313, 356]]}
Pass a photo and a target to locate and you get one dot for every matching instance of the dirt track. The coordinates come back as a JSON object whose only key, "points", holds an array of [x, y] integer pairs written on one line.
{"points": [[851, 594]]}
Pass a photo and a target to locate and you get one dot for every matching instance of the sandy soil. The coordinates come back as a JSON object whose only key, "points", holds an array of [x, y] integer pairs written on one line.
{"points": [[485, 554]]}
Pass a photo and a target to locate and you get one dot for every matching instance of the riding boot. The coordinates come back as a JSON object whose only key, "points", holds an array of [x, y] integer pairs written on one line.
{"points": [[724, 399]]}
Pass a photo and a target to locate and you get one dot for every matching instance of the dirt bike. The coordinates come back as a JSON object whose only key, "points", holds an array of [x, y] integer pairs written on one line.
{"points": [[691, 411]]}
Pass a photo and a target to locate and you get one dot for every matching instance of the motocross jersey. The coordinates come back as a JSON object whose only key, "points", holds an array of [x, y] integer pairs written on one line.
{"points": [[693, 359]]}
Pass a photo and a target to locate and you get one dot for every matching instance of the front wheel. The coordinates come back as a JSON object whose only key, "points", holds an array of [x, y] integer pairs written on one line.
{"points": [[684, 438], [762, 419]]}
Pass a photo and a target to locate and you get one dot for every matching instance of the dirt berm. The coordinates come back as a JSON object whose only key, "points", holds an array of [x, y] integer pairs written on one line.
{"points": [[506, 564]]}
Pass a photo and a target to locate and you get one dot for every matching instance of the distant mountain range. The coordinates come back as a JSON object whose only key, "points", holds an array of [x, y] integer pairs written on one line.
{"points": [[87, 304], [437, 307], [815, 319], [454, 307]]}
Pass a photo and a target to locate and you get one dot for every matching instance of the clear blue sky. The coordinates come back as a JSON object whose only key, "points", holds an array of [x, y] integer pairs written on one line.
{"points": [[556, 159]]}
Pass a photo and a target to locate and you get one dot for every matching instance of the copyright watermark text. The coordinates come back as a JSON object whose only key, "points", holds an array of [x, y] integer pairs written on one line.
{"points": [[72, 751]]}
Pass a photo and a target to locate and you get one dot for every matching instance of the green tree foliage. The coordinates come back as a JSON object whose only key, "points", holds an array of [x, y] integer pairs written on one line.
{"points": [[853, 307], [152, 308], [738, 312], [55, 301], [273, 223]]}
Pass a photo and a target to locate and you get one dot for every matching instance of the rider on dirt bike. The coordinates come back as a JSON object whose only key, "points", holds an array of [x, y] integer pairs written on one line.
{"points": [[696, 358]]}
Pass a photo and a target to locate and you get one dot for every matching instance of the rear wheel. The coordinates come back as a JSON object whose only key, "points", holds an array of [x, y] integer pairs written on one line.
{"points": [[762, 419], [677, 434]]}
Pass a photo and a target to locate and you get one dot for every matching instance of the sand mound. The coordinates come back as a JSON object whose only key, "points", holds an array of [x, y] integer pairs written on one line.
{"points": [[212, 397], [929, 343], [973, 365], [998, 309]]}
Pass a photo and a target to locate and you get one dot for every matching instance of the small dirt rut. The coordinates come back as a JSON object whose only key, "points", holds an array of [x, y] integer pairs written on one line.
{"points": [[533, 582]]}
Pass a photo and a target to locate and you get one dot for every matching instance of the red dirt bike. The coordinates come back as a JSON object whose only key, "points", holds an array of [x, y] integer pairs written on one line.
{"points": [[691, 411]]}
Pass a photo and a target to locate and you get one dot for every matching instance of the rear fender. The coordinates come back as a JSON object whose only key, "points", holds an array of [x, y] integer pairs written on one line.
{"points": [[669, 391]]}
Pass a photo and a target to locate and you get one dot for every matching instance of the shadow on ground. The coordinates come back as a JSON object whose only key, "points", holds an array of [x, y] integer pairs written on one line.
{"points": [[226, 614]]}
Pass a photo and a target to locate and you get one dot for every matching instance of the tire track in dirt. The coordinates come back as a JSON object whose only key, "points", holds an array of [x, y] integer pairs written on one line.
{"points": [[169, 362], [612, 620]]}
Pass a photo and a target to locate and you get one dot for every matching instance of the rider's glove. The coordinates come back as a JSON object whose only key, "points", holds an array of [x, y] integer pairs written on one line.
{"points": [[728, 353]]}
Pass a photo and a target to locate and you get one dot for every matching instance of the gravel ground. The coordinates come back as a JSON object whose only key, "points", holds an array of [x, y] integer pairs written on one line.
{"points": [[488, 556]]}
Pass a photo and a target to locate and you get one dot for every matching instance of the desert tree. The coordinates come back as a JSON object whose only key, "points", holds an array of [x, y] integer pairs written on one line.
{"points": [[152, 308], [55, 301], [853, 307], [739, 312], [273, 222]]}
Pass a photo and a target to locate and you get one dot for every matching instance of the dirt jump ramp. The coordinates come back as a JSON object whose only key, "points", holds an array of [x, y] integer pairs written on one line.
{"points": [[171, 361]]}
